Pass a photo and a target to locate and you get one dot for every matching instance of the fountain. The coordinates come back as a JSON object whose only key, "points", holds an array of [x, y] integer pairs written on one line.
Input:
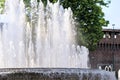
{"points": [[40, 41]]}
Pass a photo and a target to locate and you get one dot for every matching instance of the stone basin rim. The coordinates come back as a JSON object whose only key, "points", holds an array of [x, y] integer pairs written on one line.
{"points": [[66, 70]]}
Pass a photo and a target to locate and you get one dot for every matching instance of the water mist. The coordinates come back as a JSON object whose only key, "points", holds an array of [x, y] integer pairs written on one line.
{"points": [[46, 38]]}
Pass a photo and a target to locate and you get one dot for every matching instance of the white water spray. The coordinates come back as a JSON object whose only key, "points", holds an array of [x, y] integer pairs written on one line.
{"points": [[47, 40]]}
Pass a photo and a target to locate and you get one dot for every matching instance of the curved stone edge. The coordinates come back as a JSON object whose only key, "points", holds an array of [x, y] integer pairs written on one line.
{"points": [[55, 73]]}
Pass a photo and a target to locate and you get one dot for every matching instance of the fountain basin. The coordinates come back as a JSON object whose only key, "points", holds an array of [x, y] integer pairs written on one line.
{"points": [[54, 74]]}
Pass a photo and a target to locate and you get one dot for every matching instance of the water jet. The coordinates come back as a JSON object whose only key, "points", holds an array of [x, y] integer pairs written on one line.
{"points": [[44, 46]]}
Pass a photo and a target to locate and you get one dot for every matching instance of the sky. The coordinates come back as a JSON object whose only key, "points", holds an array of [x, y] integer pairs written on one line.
{"points": [[112, 13]]}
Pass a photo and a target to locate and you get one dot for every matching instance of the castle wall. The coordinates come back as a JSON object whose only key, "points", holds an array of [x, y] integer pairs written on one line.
{"points": [[107, 54]]}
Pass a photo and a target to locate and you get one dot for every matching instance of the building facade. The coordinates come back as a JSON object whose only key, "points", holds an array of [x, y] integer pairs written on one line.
{"points": [[107, 54]]}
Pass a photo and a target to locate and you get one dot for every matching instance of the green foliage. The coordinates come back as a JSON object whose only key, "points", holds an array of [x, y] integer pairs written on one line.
{"points": [[91, 18], [89, 15], [2, 5]]}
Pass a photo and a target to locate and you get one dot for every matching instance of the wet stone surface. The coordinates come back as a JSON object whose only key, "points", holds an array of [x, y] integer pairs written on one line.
{"points": [[53, 74]]}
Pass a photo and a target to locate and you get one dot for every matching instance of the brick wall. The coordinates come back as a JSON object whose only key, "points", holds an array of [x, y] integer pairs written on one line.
{"points": [[107, 52]]}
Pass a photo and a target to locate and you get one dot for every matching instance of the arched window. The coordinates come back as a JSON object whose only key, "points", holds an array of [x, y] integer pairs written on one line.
{"points": [[108, 68]]}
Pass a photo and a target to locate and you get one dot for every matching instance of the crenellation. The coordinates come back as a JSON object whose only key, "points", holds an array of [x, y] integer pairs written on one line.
{"points": [[108, 50]]}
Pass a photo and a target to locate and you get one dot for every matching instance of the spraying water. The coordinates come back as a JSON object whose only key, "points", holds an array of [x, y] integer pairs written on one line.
{"points": [[46, 40]]}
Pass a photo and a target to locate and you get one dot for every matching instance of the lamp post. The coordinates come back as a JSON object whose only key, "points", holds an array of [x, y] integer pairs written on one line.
{"points": [[113, 49]]}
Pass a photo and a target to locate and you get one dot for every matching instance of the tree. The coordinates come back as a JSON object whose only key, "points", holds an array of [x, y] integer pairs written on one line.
{"points": [[90, 18], [89, 15], [1, 5]]}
